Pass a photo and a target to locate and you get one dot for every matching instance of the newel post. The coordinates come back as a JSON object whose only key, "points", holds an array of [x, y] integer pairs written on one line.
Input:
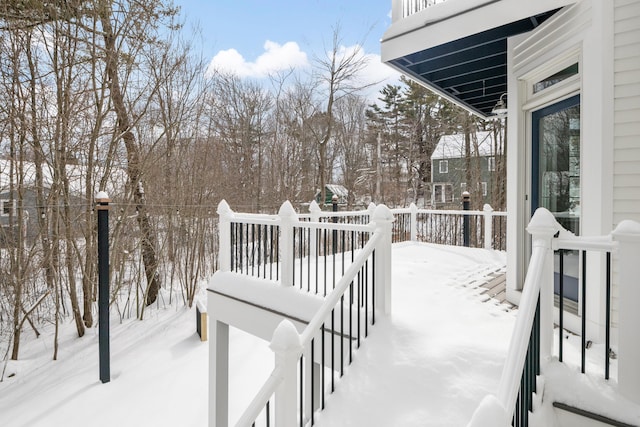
{"points": [[627, 234], [225, 214], [466, 229], [414, 222], [383, 219], [287, 348], [543, 227], [288, 218], [102, 206], [488, 226]]}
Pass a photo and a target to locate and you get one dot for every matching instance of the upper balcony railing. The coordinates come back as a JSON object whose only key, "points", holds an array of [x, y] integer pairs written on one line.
{"points": [[404, 8]]}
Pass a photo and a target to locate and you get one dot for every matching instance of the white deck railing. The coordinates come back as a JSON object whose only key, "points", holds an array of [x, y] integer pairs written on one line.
{"points": [[253, 244], [528, 351], [289, 347]]}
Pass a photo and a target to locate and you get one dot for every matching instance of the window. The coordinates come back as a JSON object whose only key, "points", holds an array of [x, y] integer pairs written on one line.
{"points": [[556, 78], [463, 186], [7, 206], [491, 166], [484, 188], [444, 166]]}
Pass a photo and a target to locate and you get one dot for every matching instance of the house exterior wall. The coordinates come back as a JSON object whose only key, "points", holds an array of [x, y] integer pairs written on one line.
{"points": [[603, 38], [626, 52], [456, 175]]}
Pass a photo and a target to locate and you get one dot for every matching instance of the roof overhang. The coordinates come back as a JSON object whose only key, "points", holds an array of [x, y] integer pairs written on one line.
{"points": [[458, 48]]}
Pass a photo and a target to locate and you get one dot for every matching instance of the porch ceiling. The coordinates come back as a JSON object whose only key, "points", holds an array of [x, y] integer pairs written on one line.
{"points": [[470, 70]]}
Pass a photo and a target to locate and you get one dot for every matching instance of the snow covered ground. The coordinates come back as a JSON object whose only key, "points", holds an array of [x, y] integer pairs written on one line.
{"points": [[428, 364]]}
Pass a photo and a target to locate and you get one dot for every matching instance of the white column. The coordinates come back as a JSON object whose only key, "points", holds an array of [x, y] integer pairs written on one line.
{"points": [[488, 226], [414, 222], [627, 234], [224, 236], [288, 218], [287, 348], [218, 374], [383, 218]]}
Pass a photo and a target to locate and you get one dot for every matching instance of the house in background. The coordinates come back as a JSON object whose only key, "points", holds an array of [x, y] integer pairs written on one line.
{"points": [[449, 168], [569, 74], [330, 191]]}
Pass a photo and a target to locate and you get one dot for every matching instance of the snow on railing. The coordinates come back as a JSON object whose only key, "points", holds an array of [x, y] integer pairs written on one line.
{"points": [[291, 348], [288, 246], [532, 337]]}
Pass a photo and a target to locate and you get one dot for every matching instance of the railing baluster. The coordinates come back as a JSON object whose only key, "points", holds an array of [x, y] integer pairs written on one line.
{"points": [[309, 263], [312, 380], [268, 414], [301, 403], [607, 327], [341, 336], [333, 349], [322, 332], [584, 311], [561, 306]]}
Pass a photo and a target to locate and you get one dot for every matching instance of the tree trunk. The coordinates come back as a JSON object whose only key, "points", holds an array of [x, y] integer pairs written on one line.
{"points": [[134, 166]]}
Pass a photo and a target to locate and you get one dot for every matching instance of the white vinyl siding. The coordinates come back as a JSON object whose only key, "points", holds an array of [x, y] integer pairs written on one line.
{"points": [[626, 133], [626, 180]]}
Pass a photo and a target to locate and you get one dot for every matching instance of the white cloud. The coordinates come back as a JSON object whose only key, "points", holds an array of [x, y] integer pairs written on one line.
{"points": [[375, 73], [379, 73], [275, 58]]}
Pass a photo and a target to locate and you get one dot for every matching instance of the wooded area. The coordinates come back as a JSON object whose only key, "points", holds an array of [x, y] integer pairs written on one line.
{"points": [[111, 95]]}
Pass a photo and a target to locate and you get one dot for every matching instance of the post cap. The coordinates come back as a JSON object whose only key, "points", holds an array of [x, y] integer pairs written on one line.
{"points": [[102, 197]]}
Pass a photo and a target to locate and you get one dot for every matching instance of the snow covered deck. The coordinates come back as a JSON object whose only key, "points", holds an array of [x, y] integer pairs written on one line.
{"points": [[438, 354], [428, 364]]}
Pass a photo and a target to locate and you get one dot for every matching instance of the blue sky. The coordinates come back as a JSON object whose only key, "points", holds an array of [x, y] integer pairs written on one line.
{"points": [[254, 37]]}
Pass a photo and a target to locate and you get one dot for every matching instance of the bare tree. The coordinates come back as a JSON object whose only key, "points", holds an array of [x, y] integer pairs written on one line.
{"points": [[338, 73]]}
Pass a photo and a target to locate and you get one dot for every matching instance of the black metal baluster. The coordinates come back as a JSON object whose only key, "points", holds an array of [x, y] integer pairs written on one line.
{"points": [[333, 350], [234, 245], [322, 362], [301, 253], [341, 335], [277, 252], [268, 414], [309, 262], [301, 392], [366, 298], [373, 288], [253, 248], [561, 306], [312, 381], [607, 326], [317, 258], [584, 310], [325, 261]]}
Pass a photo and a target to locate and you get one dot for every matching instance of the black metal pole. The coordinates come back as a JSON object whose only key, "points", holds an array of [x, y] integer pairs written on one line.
{"points": [[334, 202], [102, 200], [465, 219]]}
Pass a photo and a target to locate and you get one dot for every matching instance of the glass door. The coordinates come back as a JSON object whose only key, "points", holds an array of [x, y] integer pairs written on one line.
{"points": [[556, 175]]}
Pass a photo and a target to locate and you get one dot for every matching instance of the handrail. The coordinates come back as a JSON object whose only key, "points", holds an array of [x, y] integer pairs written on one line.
{"points": [[331, 300], [262, 397], [512, 370]]}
